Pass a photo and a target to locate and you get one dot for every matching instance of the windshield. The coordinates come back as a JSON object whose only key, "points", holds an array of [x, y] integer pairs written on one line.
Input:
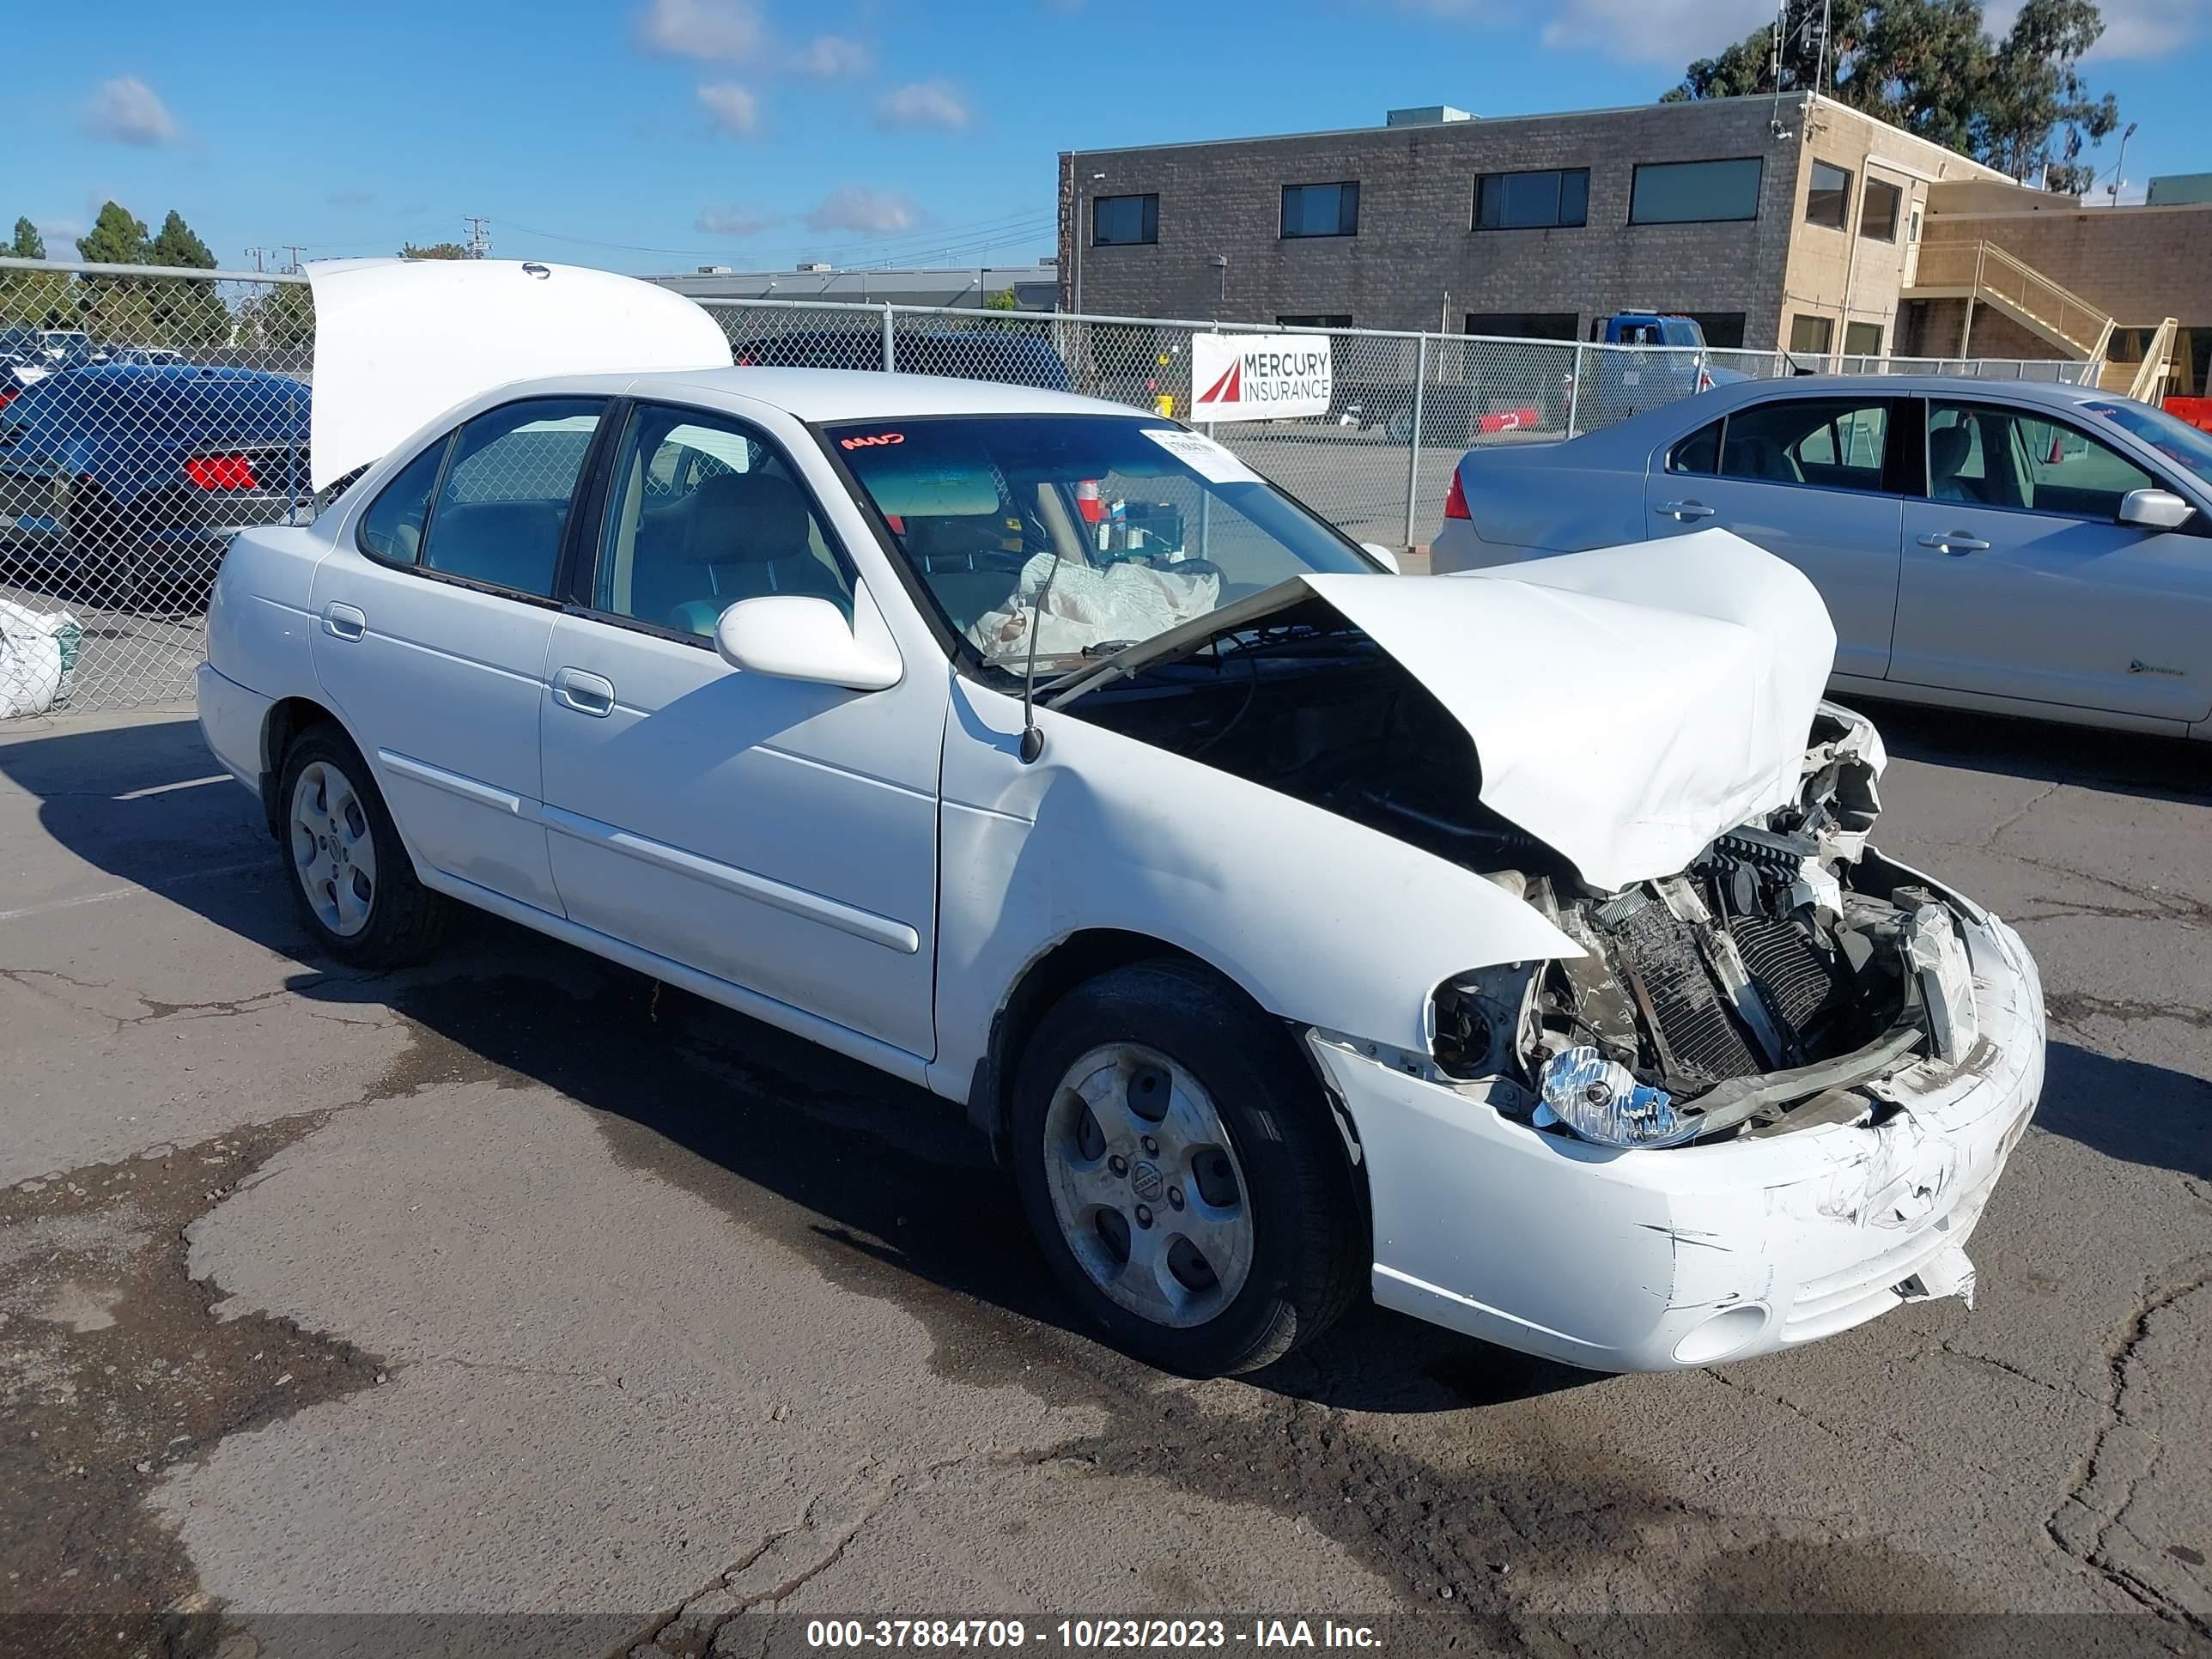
{"points": [[1109, 529], [2179, 442]]}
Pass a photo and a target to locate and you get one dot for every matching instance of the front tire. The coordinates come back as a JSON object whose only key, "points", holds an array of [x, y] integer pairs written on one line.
{"points": [[352, 879], [1182, 1172]]}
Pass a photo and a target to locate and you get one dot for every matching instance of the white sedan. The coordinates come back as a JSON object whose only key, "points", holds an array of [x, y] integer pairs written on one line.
{"points": [[1508, 946]]}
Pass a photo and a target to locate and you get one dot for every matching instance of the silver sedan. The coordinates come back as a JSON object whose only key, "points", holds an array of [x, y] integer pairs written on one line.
{"points": [[2023, 548]]}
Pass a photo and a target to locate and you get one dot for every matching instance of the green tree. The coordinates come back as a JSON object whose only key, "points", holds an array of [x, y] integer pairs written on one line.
{"points": [[1002, 301], [277, 325], [1931, 67], [28, 244], [115, 238], [435, 250], [178, 245]]}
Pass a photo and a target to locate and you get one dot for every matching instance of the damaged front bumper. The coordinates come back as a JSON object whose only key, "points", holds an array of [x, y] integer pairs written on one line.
{"points": [[1645, 1259]]}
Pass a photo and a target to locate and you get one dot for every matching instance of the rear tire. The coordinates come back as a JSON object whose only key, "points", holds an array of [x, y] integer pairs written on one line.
{"points": [[351, 877], [1182, 1174]]}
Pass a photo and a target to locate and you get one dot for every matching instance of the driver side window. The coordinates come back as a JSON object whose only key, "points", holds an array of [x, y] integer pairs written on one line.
{"points": [[1997, 457], [704, 513]]}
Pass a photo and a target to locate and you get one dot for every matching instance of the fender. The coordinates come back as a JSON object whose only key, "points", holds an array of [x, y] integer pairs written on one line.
{"points": [[1321, 921]]}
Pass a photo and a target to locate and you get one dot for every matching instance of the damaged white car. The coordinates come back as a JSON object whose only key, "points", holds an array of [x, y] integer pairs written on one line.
{"points": [[1509, 944]]}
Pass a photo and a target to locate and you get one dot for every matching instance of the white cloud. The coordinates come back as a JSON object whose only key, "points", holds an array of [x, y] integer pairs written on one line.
{"points": [[733, 222], [1669, 31], [126, 111], [2144, 29], [833, 58], [923, 104], [734, 107], [713, 30], [857, 207], [1666, 31]]}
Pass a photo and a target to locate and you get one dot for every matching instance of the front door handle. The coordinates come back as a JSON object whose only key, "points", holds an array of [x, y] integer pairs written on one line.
{"points": [[1954, 542], [587, 694], [343, 622], [1686, 511]]}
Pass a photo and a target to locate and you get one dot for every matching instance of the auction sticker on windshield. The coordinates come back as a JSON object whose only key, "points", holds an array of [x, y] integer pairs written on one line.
{"points": [[1202, 455], [1259, 377]]}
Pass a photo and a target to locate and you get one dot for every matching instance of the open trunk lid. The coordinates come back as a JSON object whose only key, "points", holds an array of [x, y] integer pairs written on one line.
{"points": [[399, 341]]}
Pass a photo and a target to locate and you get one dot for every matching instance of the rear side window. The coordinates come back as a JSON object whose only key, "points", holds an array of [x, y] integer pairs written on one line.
{"points": [[504, 504], [1699, 453], [1835, 442], [392, 529]]}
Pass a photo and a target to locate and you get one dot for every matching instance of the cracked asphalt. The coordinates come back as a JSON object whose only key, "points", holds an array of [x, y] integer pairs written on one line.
{"points": [[518, 1285]]}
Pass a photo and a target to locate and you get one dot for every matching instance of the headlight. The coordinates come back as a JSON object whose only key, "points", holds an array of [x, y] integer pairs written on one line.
{"points": [[1602, 1102]]}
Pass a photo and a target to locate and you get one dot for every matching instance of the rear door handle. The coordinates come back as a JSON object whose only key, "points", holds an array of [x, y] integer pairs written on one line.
{"points": [[1684, 512], [1954, 542], [343, 622], [587, 694]]}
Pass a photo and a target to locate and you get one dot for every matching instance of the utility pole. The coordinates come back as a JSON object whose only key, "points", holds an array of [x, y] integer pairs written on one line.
{"points": [[479, 236], [292, 265], [257, 252]]}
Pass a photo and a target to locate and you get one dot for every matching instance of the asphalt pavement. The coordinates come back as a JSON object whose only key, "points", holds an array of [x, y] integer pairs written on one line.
{"points": [[517, 1285]]}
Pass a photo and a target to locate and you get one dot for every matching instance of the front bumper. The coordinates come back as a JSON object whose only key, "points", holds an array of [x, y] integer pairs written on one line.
{"points": [[1656, 1260]]}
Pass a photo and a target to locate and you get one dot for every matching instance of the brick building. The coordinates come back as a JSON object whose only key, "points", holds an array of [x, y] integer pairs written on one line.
{"points": [[1775, 221]]}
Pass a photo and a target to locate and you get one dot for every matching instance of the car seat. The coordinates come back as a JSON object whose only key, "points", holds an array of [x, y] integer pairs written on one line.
{"points": [[1949, 448], [507, 543], [747, 535]]}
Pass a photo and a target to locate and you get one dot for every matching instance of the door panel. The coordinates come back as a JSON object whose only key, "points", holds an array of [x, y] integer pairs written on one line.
{"points": [[2017, 582], [776, 834], [441, 683], [1803, 478]]}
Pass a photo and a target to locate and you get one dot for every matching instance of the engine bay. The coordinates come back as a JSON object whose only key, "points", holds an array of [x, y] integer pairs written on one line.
{"points": [[1758, 989]]}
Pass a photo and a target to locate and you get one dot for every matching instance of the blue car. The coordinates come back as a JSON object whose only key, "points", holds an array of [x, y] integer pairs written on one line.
{"points": [[158, 463]]}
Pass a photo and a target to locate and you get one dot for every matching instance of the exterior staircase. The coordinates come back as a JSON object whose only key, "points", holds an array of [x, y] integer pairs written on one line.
{"points": [[2144, 381], [1984, 273]]}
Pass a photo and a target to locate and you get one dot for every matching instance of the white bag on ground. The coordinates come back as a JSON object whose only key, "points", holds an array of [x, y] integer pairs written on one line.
{"points": [[38, 658]]}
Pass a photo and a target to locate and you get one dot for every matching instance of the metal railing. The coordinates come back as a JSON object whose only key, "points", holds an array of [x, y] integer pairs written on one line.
{"points": [[1985, 271], [150, 413]]}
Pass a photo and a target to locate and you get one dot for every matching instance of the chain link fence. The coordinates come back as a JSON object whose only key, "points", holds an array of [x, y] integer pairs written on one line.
{"points": [[148, 414]]}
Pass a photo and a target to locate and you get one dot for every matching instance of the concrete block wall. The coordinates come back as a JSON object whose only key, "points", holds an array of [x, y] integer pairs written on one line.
{"points": [[2141, 264], [1417, 262]]}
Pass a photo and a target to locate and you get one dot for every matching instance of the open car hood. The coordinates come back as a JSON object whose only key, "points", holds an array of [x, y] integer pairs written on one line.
{"points": [[1627, 704], [400, 341]]}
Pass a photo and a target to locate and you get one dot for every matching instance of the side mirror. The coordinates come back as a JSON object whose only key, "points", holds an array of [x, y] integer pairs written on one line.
{"points": [[792, 637], [2154, 509], [1382, 555]]}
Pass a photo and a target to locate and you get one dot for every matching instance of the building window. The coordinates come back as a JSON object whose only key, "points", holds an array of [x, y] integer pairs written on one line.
{"points": [[1122, 220], [1526, 324], [1861, 339], [1320, 209], [1828, 197], [1532, 201], [1315, 320], [1813, 335], [1695, 192], [1878, 217]]}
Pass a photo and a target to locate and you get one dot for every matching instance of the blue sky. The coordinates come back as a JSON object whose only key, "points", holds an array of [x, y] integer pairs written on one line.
{"points": [[654, 135]]}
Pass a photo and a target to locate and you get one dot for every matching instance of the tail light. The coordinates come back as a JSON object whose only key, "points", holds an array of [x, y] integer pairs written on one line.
{"points": [[8, 394], [1456, 499], [221, 473]]}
